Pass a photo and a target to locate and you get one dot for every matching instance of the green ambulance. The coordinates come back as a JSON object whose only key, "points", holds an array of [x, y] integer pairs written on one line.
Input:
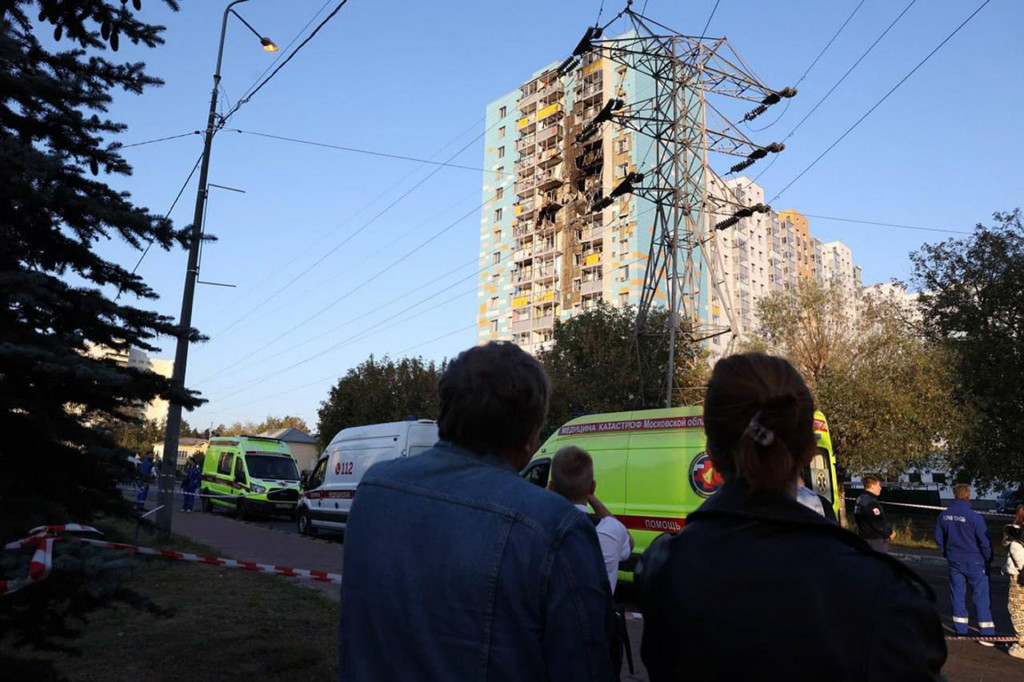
{"points": [[652, 468], [250, 475]]}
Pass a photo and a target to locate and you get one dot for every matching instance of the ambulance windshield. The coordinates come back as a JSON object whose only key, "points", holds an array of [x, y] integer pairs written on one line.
{"points": [[269, 466]]}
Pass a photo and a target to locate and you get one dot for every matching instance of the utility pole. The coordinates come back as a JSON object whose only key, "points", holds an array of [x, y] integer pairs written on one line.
{"points": [[166, 481]]}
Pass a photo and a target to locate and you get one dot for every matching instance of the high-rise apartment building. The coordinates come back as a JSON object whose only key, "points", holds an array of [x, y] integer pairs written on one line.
{"points": [[545, 254], [766, 253], [137, 359]]}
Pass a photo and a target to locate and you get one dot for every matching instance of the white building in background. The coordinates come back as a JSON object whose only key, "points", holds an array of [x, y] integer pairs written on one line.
{"points": [[767, 253], [157, 409]]}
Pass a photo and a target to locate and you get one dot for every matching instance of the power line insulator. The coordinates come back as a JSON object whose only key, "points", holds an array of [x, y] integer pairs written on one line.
{"points": [[584, 46], [745, 212], [627, 186], [773, 148], [770, 99], [591, 128]]}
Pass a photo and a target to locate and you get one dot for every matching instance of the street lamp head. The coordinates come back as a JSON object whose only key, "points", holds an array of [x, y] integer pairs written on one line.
{"points": [[268, 44]]}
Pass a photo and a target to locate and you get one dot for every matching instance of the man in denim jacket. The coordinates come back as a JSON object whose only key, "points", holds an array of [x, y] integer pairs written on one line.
{"points": [[458, 569]]}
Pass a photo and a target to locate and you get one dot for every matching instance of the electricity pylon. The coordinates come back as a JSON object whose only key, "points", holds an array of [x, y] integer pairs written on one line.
{"points": [[681, 121]]}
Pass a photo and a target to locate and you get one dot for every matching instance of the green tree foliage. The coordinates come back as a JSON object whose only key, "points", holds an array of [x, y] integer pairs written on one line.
{"points": [[59, 461], [378, 391], [974, 306], [888, 392], [594, 367], [252, 428], [54, 209], [139, 437]]}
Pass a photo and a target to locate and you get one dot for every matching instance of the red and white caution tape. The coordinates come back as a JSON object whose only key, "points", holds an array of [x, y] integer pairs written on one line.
{"points": [[43, 537], [931, 507]]}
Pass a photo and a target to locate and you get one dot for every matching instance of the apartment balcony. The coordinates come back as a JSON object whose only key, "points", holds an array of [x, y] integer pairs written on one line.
{"points": [[524, 163], [528, 102], [550, 111], [549, 179], [548, 133], [544, 248], [591, 260], [521, 326], [524, 276], [525, 185], [544, 322], [525, 142], [547, 157], [555, 87], [595, 286], [545, 274], [522, 254], [526, 207]]}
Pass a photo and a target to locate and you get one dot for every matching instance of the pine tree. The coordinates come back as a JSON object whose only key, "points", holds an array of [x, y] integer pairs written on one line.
{"points": [[59, 461]]}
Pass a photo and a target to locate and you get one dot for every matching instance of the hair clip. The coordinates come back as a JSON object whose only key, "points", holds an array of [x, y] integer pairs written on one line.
{"points": [[759, 433]]}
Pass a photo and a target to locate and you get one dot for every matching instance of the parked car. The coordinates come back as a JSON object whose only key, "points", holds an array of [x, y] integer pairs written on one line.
{"points": [[1009, 500]]}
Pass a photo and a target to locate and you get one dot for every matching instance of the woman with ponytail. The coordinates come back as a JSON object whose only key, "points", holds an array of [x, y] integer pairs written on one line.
{"points": [[758, 586]]}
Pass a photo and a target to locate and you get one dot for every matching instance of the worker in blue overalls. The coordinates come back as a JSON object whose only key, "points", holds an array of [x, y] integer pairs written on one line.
{"points": [[963, 539], [189, 485], [145, 474]]}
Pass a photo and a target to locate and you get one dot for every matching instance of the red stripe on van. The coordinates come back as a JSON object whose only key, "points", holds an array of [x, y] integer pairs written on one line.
{"points": [[330, 494], [657, 524], [693, 422]]}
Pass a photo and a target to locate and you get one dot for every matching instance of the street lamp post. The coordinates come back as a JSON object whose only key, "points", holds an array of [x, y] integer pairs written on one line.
{"points": [[166, 481]]}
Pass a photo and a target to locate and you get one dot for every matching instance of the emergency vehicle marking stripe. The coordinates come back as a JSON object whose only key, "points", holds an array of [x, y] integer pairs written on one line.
{"points": [[330, 495], [658, 524]]}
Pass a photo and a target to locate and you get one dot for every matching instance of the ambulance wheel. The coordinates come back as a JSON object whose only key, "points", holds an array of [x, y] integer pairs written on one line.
{"points": [[305, 527], [240, 509], [207, 505]]}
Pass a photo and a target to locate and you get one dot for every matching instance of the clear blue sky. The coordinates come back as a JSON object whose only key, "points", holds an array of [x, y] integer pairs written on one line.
{"points": [[413, 78]]}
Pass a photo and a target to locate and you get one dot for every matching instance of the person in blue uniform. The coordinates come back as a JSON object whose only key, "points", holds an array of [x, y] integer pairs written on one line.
{"points": [[145, 475], [963, 539], [189, 485]]}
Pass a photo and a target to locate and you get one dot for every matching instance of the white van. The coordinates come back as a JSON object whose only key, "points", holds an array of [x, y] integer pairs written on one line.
{"points": [[327, 497]]}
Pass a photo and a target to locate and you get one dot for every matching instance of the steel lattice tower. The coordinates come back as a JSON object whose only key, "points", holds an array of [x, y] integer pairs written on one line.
{"points": [[683, 124]]}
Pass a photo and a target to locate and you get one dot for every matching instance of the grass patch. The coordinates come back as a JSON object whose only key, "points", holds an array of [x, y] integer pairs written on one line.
{"points": [[217, 624]]}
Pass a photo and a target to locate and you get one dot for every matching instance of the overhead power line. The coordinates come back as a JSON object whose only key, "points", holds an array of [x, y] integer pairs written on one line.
{"points": [[404, 296], [159, 139], [710, 17], [371, 152], [284, 51], [351, 218], [880, 101], [838, 82], [880, 224], [351, 236], [363, 283], [245, 100], [373, 329]]}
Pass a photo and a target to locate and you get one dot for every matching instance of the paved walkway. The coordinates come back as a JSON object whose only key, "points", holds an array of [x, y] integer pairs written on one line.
{"points": [[251, 542]]}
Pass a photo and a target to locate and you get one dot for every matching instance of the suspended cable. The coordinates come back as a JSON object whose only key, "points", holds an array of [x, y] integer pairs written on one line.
{"points": [[880, 101], [387, 155], [234, 303], [710, 17], [350, 237], [838, 83], [379, 273], [880, 224], [245, 100], [117, 146]]}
